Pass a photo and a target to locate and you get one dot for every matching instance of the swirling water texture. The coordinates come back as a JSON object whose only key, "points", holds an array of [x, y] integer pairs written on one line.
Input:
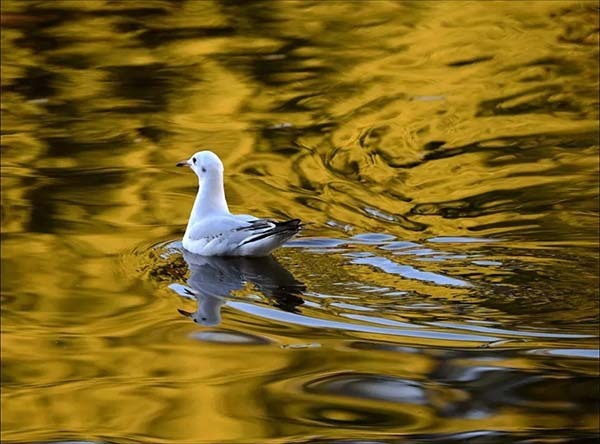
{"points": [[445, 155]]}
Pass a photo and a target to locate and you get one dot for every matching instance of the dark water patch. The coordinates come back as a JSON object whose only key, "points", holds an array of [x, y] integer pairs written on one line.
{"points": [[36, 83], [143, 83], [540, 100], [157, 37], [500, 149], [468, 62], [461, 240]]}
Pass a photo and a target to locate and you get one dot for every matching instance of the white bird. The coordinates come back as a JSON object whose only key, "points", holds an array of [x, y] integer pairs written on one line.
{"points": [[213, 231]]}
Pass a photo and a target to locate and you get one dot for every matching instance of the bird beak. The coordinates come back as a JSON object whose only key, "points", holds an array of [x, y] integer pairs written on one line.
{"points": [[183, 163]]}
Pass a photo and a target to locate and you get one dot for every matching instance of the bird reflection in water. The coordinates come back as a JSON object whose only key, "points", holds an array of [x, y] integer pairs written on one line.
{"points": [[213, 279]]}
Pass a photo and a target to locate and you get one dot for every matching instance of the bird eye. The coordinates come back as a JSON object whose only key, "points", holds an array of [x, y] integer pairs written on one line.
{"points": [[194, 160], [203, 170]]}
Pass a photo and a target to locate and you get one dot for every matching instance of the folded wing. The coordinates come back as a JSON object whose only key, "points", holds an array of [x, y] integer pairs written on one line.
{"points": [[238, 236]]}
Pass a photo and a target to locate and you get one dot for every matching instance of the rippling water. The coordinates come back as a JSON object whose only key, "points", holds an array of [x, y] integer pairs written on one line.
{"points": [[443, 154]]}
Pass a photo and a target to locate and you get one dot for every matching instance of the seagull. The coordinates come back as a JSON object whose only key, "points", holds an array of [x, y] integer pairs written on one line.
{"points": [[213, 231]]}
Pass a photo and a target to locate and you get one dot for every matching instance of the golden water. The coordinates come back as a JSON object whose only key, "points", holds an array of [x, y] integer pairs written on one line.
{"points": [[444, 156]]}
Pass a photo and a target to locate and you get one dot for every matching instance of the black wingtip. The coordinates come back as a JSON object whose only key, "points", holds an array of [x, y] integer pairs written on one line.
{"points": [[292, 225]]}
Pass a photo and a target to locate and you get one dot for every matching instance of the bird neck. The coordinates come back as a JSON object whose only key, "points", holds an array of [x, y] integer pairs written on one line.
{"points": [[210, 200]]}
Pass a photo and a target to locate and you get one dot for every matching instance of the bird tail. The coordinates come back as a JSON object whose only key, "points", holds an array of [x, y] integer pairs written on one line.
{"points": [[292, 225], [287, 228]]}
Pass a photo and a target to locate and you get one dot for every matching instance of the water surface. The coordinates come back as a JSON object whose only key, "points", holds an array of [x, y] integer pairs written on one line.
{"points": [[444, 156]]}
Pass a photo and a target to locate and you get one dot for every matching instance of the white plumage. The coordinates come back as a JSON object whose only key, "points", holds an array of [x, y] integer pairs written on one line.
{"points": [[213, 231]]}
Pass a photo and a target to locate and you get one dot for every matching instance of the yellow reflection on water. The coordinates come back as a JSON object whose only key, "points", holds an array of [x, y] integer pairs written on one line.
{"points": [[411, 119]]}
